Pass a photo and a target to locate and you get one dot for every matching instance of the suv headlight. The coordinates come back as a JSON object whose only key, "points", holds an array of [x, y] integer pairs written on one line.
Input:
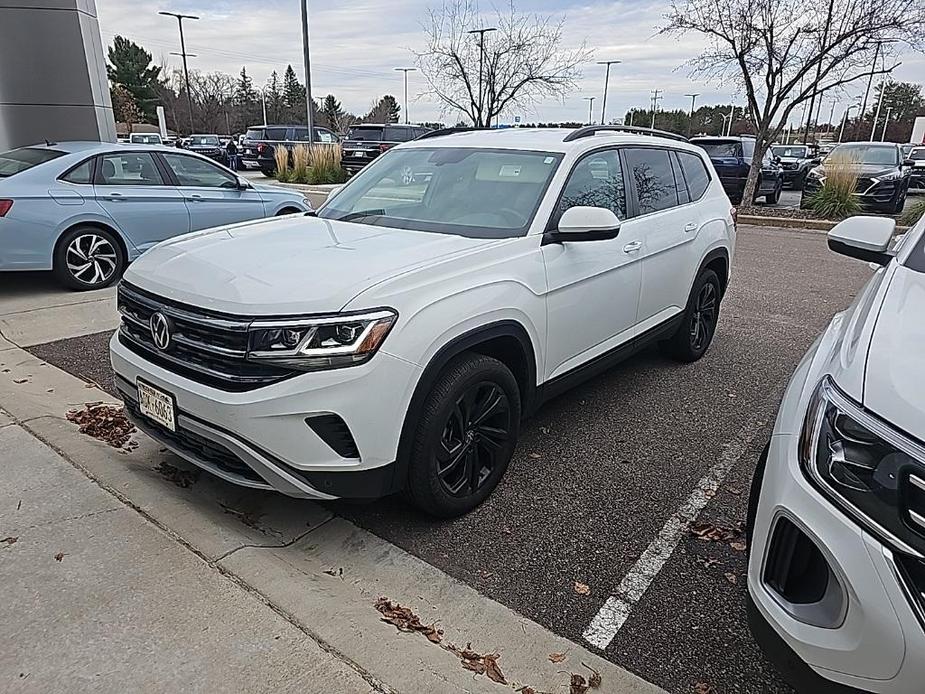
{"points": [[326, 342], [867, 468], [817, 172]]}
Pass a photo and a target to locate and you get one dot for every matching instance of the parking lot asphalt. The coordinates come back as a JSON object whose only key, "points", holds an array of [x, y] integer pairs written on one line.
{"points": [[601, 469], [791, 199]]}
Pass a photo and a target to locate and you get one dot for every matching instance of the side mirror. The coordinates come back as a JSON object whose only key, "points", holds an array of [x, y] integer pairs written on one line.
{"points": [[243, 184], [908, 162], [864, 238], [776, 160], [582, 223], [816, 161]]}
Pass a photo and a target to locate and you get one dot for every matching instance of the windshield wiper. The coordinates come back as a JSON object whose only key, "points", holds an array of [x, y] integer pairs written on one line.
{"points": [[361, 213]]}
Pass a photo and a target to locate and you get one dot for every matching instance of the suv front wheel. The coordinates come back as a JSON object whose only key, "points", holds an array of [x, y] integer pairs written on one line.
{"points": [[465, 437]]}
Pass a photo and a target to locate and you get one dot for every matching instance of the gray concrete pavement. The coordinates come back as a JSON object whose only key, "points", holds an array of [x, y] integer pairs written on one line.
{"points": [[97, 598]]}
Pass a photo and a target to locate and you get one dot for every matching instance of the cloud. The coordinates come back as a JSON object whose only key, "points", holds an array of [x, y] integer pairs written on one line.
{"points": [[356, 44]]}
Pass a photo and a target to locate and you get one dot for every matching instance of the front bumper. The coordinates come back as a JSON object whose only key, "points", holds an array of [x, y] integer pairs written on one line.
{"points": [[865, 632], [263, 438], [869, 193]]}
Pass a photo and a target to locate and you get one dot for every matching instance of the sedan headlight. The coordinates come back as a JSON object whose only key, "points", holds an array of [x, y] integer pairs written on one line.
{"points": [[863, 465], [327, 342]]}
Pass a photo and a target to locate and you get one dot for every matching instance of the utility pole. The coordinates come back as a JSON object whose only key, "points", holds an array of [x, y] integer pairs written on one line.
{"points": [[655, 99], [184, 54], [844, 119], [308, 73], [406, 70], [690, 120], [870, 82], [828, 126], [481, 33], [590, 100], [263, 93], [732, 113], [889, 110], [873, 130], [608, 63]]}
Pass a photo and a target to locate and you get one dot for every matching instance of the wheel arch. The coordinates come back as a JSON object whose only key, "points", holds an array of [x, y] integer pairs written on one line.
{"points": [[123, 245], [718, 261], [505, 340]]}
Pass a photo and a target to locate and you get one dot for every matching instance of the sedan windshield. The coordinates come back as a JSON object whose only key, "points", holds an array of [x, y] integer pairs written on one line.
{"points": [[478, 193], [868, 154], [19, 160], [204, 140], [793, 152]]}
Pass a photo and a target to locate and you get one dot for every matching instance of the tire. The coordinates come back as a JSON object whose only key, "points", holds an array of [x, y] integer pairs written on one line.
{"points": [[698, 324], [449, 444], [269, 173], [287, 210], [754, 496], [774, 198], [88, 258], [900, 203]]}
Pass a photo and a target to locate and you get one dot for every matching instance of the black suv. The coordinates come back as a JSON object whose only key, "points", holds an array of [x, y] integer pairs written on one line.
{"points": [[883, 174], [917, 175], [261, 141], [209, 146], [732, 159], [795, 162], [366, 142]]}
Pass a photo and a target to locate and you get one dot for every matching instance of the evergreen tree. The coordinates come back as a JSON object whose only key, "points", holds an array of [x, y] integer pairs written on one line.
{"points": [[332, 112], [246, 101], [274, 98], [130, 66], [385, 110], [293, 96]]}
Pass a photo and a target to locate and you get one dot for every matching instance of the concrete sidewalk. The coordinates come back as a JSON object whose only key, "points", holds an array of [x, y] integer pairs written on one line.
{"points": [[95, 597]]}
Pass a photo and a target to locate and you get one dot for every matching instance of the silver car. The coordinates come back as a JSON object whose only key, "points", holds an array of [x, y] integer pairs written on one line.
{"points": [[86, 209]]}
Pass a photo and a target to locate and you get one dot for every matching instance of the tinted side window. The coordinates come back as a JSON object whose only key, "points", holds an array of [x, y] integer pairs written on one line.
{"points": [[82, 173], [397, 134], [695, 173], [596, 181], [131, 169], [276, 133], [655, 184], [684, 195], [324, 136]]}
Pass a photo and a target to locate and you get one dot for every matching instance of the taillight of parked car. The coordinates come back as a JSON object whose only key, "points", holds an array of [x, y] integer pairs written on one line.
{"points": [[384, 147], [261, 148], [5, 206]]}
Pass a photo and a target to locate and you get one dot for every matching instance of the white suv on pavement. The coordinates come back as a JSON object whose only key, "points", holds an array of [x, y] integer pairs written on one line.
{"points": [[836, 573], [395, 341]]}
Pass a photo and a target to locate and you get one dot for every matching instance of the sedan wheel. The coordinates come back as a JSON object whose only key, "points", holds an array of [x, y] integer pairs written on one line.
{"points": [[89, 258]]}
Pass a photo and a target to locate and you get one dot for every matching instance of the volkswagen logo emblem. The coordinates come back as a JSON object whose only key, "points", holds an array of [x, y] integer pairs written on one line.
{"points": [[160, 330]]}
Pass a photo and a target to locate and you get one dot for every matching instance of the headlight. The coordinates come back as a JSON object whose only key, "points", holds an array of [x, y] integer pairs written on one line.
{"points": [[326, 342], [891, 176], [873, 472], [817, 172]]}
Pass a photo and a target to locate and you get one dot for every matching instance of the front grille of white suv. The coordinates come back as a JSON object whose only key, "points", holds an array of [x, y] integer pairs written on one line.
{"points": [[204, 346]]}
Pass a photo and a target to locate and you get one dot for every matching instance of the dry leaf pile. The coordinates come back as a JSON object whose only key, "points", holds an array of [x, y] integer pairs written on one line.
{"points": [[479, 664], [405, 620], [104, 422], [711, 532]]}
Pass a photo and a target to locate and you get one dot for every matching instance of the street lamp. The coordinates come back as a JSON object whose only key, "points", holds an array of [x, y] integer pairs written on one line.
{"points": [[690, 120], [309, 117], [590, 100], [608, 63], [189, 97], [406, 70], [481, 33], [889, 110], [844, 119]]}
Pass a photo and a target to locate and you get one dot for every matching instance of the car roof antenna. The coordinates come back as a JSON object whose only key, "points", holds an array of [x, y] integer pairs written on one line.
{"points": [[48, 143]]}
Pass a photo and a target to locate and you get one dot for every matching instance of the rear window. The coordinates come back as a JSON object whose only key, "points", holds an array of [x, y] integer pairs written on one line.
{"points": [[365, 134], [695, 173], [785, 151], [18, 160], [254, 134], [720, 148], [151, 139], [204, 140]]}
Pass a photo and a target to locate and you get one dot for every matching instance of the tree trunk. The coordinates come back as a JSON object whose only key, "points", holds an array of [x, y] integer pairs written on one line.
{"points": [[751, 183]]}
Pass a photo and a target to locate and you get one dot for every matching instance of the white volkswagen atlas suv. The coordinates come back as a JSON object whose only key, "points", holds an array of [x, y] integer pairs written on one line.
{"points": [[394, 341], [836, 572]]}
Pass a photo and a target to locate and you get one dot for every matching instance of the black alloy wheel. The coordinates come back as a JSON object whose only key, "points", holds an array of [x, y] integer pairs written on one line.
{"points": [[698, 322], [475, 434], [703, 322]]}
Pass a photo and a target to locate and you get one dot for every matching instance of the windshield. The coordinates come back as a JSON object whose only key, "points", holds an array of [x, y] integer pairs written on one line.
{"points": [[18, 160], [145, 139], [204, 140], [918, 154], [868, 154], [720, 148], [478, 193], [254, 134], [374, 134], [793, 152]]}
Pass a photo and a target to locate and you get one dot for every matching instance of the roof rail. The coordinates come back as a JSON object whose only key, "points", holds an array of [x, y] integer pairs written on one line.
{"points": [[589, 130], [446, 131]]}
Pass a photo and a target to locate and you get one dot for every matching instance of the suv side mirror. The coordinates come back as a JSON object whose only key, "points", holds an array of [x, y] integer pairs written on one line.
{"points": [[908, 162], [581, 223], [864, 238]]}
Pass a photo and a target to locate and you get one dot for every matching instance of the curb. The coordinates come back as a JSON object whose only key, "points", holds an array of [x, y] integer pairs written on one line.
{"points": [[796, 223]]}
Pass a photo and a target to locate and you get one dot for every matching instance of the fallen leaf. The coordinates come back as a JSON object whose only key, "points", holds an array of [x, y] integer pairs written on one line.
{"points": [[734, 490], [9, 540], [594, 681], [536, 455], [526, 690], [578, 685], [582, 588], [59, 556], [107, 423], [703, 688], [738, 546], [20, 380], [731, 577], [556, 657], [406, 620], [492, 670]]}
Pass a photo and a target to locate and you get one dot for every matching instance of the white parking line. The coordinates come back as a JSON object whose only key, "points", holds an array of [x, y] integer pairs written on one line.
{"points": [[614, 613]]}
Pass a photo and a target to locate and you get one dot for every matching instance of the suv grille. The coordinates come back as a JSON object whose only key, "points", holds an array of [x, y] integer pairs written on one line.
{"points": [[205, 346]]}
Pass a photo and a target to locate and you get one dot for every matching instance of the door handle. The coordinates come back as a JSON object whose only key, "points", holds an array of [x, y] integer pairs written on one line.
{"points": [[195, 196], [115, 197], [632, 247], [690, 226]]}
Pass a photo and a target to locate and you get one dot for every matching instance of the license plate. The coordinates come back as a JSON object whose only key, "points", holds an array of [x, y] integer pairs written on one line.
{"points": [[357, 153], [156, 405]]}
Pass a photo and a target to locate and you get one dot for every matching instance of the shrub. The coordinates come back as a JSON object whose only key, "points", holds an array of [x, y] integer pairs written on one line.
{"points": [[324, 165], [300, 157], [835, 199], [913, 214], [281, 155]]}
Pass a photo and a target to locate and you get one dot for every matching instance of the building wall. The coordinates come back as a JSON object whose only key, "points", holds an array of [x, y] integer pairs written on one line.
{"points": [[53, 81]]}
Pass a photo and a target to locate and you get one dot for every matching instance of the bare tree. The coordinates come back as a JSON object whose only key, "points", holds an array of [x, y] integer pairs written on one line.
{"points": [[523, 60], [783, 53]]}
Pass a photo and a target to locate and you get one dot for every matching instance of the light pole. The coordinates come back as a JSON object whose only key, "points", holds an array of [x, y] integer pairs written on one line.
{"points": [[406, 70], [481, 33], [732, 115], [655, 99], [590, 100], [309, 118], [189, 97], [889, 110], [608, 63], [828, 126], [690, 120], [844, 119], [873, 130], [263, 93]]}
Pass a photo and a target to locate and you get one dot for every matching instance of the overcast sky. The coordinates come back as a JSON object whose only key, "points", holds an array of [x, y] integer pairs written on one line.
{"points": [[355, 44]]}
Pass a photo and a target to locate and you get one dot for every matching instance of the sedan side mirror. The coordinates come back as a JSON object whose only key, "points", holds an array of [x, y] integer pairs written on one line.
{"points": [[864, 238], [583, 223], [243, 184]]}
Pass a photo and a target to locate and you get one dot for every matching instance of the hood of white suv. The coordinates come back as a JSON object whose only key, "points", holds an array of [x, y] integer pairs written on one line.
{"points": [[292, 265], [894, 382]]}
